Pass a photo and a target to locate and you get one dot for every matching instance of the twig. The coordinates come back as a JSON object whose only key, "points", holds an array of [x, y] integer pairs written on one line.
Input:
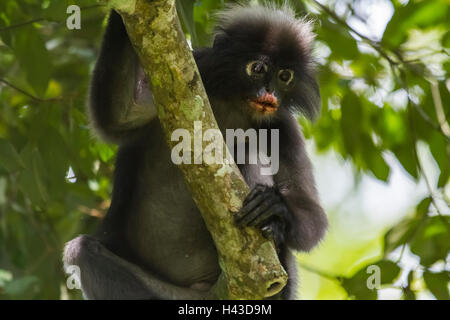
{"points": [[439, 108], [29, 95], [21, 24]]}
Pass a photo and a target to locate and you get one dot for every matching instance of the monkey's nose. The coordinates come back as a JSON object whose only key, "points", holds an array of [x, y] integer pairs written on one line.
{"points": [[269, 88]]}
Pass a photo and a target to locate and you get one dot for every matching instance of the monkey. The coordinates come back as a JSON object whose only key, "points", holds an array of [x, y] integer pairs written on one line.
{"points": [[153, 243]]}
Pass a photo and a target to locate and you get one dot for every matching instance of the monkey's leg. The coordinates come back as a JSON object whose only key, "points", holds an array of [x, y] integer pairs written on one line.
{"points": [[105, 275]]}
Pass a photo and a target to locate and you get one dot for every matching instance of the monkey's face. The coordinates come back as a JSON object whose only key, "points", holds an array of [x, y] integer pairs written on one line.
{"points": [[261, 83], [268, 87]]}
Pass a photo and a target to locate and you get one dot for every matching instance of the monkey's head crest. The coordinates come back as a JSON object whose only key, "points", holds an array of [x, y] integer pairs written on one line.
{"points": [[262, 56]]}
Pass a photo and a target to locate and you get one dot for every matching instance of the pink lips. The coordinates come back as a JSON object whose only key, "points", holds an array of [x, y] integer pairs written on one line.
{"points": [[266, 104]]}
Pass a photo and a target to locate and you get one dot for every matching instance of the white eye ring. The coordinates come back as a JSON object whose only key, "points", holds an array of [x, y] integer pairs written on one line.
{"points": [[250, 68], [284, 72]]}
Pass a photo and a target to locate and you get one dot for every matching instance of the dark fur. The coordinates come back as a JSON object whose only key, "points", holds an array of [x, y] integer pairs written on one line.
{"points": [[153, 242]]}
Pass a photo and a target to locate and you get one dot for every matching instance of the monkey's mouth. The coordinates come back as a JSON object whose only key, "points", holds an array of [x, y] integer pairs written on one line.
{"points": [[266, 104]]}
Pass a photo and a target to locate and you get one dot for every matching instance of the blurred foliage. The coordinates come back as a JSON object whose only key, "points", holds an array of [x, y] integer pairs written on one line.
{"points": [[378, 96]]}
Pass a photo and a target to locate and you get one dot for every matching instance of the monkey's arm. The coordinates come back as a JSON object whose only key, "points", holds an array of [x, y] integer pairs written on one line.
{"points": [[306, 221], [289, 211], [120, 101]]}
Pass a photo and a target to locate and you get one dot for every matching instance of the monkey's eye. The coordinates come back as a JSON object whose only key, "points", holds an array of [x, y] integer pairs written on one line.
{"points": [[256, 68], [286, 75]]}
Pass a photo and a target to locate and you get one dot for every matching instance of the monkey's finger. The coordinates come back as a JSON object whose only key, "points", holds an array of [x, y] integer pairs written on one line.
{"points": [[278, 211], [262, 219], [265, 199], [248, 208], [266, 204], [254, 192]]}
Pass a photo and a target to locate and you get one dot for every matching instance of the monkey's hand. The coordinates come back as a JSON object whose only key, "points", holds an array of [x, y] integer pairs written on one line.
{"points": [[265, 209]]}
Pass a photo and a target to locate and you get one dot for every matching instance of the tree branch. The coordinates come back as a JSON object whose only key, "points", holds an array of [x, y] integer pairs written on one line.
{"points": [[250, 265]]}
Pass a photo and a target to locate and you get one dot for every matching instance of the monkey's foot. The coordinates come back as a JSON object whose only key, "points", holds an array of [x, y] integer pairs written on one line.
{"points": [[264, 208]]}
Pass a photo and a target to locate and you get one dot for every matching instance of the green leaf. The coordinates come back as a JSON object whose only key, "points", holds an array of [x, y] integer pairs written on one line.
{"points": [[204, 19], [10, 12], [351, 122], [185, 9], [391, 126], [405, 154], [340, 42], [105, 151], [403, 231], [357, 288], [21, 286], [423, 207], [33, 57], [438, 284], [432, 241], [67, 227], [57, 163], [375, 161], [398, 235], [9, 158], [446, 40], [389, 271], [56, 11], [32, 179]]}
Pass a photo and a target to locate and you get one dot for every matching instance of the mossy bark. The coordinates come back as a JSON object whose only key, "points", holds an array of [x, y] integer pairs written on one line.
{"points": [[250, 265]]}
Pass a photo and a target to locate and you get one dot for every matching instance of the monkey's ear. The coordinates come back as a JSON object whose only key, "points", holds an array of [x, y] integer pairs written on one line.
{"points": [[312, 101], [307, 97]]}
